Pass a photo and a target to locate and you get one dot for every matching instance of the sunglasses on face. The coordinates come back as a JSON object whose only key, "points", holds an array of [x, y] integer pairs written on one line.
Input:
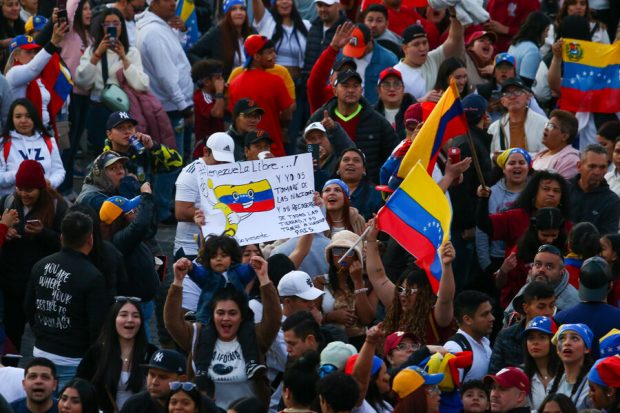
{"points": [[406, 291], [185, 385], [340, 251]]}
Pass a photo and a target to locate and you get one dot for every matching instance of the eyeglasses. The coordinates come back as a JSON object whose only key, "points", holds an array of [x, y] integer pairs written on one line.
{"points": [[327, 369], [391, 85], [514, 93], [340, 251], [122, 299], [432, 389], [404, 291], [407, 347], [552, 249], [551, 126], [185, 385]]}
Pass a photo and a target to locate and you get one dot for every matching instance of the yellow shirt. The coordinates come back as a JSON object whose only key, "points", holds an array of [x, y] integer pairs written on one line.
{"points": [[277, 70]]}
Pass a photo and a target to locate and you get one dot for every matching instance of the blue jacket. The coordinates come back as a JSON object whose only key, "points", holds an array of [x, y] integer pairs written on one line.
{"points": [[210, 282], [381, 59]]}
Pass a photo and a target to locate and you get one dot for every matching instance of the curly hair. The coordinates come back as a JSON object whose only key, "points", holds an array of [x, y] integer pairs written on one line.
{"points": [[528, 196], [411, 321]]}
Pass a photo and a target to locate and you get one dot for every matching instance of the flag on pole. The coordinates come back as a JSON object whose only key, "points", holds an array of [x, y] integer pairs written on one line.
{"points": [[591, 77], [418, 216], [445, 122]]}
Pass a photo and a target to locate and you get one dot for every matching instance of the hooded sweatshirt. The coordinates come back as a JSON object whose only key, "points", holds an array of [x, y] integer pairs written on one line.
{"points": [[165, 62]]}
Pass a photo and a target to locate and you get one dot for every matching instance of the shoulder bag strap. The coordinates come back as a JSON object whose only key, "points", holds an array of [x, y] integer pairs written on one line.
{"points": [[104, 67]]}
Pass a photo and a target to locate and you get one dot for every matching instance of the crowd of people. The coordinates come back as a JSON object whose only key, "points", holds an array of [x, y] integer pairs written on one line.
{"points": [[109, 111]]}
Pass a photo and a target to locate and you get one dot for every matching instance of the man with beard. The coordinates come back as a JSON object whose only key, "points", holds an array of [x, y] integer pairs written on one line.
{"points": [[39, 384]]}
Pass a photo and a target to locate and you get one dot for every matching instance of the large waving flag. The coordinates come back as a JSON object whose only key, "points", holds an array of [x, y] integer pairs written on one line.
{"points": [[418, 216], [591, 77], [57, 81], [186, 10], [445, 122]]}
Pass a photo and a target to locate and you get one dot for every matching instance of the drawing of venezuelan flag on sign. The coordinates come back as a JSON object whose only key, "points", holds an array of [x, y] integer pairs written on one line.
{"points": [[251, 197], [186, 10], [591, 77]]}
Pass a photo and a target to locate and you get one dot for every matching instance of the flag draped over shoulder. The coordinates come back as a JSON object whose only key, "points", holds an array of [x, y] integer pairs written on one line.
{"points": [[591, 77], [186, 10], [445, 122], [418, 216]]}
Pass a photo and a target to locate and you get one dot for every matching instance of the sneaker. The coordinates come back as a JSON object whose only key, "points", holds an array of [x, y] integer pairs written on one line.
{"points": [[252, 367]]}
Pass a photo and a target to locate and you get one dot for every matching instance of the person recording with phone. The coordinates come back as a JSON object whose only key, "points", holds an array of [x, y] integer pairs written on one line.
{"points": [[110, 50]]}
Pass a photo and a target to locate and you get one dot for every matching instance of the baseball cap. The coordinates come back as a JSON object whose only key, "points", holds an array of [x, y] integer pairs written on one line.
{"points": [[245, 106], [542, 324], [480, 34], [509, 377], [298, 284], [116, 118], [376, 364], [328, 2], [606, 372], [583, 330], [358, 41], [609, 344], [114, 206], [594, 278], [314, 126], [346, 75], [254, 44], [413, 32], [390, 71], [475, 107], [167, 360], [412, 378], [257, 136], [344, 61], [515, 82], [35, 23], [505, 57], [337, 353], [23, 42], [110, 157], [222, 146], [393, 340]]}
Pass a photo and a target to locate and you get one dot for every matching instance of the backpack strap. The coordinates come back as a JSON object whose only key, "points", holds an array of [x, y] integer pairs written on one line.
{"points": [[463, 343], [6, 146]]}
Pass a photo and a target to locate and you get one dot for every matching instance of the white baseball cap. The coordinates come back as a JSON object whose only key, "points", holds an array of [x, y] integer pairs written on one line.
{"points": [[315, 126], [328, 2], [299, 284], [222, 146]]}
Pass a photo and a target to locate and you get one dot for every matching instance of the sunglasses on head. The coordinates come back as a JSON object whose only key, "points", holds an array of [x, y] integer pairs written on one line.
{"points": [[185, 385], [552, 249], [122, 299], [327, 369]]}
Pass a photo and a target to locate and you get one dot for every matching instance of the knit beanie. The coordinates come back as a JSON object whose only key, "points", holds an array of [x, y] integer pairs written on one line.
{"points": [[31, 175]]}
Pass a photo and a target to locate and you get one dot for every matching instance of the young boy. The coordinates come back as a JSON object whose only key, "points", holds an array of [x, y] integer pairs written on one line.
{"points": [[209, 101]]}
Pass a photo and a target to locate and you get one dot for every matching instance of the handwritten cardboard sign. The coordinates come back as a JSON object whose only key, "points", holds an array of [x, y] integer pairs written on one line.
{"points": [[258, 201]]}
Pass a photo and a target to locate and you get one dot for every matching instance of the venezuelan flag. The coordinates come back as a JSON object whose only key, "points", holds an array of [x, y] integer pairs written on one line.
{"points": [[591, 77], [252, 197], [445, 122], [186, 10], [418, 216]]}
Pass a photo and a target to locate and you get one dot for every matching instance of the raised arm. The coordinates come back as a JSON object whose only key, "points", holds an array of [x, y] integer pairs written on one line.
{"points": [[362, 368], [554, 76], [444, 307], [374, 267], [258, 8], [453, 45], [180, 330]]}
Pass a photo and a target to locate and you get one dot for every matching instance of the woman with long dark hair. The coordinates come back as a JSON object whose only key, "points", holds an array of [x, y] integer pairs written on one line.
{"points": [[453, 68], [10, 26], [224, 41], [351, 169], [40, 210], [526, 45], [78, 396], [339, 213], [113, 363], [184, 397], [541, 362], [557, 402], [117, 55], [24, 136]]}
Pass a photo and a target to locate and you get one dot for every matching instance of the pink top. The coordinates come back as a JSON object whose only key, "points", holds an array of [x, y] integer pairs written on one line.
{"points": [[563, 162]]}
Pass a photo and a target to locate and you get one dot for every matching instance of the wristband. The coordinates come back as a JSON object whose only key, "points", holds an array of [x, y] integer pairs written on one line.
{"points": [[360, 291]]}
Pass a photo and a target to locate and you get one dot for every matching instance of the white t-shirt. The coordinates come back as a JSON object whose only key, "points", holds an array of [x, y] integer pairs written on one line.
{"points": [[122, 394], [361, 65], [187, 191], [390, 116], [419, 80], [481, 354], [191, 294], [227, 370], [11, 383]]}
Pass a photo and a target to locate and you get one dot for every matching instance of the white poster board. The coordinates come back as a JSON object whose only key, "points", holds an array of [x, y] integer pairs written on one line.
{"points": [[259, 201]]}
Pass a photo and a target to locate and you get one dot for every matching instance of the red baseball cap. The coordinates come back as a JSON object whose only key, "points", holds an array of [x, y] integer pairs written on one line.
{"points": [[480, 34], [254, 44], [393, 340], [509, 377], [390, 71]]}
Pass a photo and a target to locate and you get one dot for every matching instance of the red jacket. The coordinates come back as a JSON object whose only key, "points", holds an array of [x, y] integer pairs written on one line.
{"points": [[511, 13], [319, 88]]}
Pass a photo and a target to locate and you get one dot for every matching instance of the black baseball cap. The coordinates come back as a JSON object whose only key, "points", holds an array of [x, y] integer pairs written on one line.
{"points": [[338, 65], [515, 82], [246, 106], [257, 136], [117, 118], [413, 32], [346, 75], [167, 360], [594, 278]]}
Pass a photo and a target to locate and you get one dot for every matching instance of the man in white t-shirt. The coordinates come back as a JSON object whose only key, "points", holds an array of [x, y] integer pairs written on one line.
{"points": [[219, 149], [419, 67]]}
